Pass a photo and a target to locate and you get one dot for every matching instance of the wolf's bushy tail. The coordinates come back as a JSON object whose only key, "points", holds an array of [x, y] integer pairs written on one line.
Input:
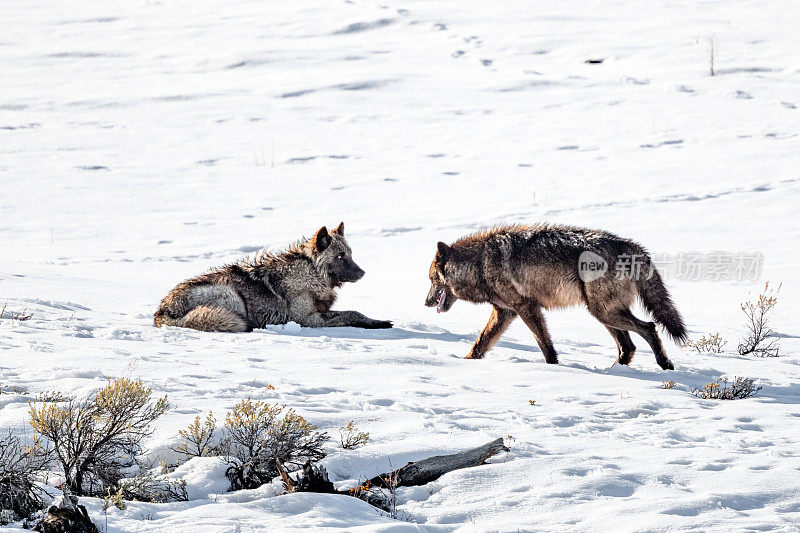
{"points": [[162, 319], [205, 318], [656, 299]]}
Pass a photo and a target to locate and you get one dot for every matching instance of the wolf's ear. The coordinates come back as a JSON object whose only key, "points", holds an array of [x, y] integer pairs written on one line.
{"points": [[442, 250], [321, 239], [339, 229]]}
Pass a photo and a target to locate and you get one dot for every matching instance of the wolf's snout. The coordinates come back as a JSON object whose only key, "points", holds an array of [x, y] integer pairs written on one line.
{"points": [[430, 300], [354, 273], [349, 271]]}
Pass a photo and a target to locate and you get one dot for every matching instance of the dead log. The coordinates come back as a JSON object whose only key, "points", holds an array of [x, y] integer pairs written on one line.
{"points": [[427, 470], [315, 478]]}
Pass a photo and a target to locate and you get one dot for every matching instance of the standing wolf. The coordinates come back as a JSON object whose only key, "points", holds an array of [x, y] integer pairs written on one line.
{"points": [[298, 285], [521, 270]]}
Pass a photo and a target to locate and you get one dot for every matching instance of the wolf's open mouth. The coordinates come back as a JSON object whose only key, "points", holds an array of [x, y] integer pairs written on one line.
{"points": [[440, 302]]}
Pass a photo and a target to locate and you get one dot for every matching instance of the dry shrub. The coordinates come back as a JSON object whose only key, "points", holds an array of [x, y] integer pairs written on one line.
{"points": [[392, 481], [20, 317], [19, 464], [720, 389], [760, 339], [668, 384], [350, 437], [153, 488], [13, 389], [112, 499], [197, 438], [712, 343], [52, 397], [259, 436], [98, 437], [384, 497], [23, 316]]}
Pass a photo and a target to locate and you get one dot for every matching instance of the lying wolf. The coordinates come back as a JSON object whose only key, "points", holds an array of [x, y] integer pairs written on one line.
{"points": [[298, 285], [522, 270]]}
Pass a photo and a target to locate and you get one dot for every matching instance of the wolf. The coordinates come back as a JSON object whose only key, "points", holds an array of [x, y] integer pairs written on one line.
{"points": [[524, 269], [297, 285]]}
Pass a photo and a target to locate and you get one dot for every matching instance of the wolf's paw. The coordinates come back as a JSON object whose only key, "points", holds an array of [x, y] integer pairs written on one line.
{"points": [[666, 364], [380, 324]]}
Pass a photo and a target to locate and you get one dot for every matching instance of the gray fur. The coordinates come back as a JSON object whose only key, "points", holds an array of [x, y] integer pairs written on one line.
{"points": [[296, 285]]}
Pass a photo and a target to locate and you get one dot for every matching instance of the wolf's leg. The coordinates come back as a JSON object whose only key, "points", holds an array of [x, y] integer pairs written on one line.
{"points": [[533, 318], [625, 346], [624, 319], [353, 319], [498, 323], [303, 310], [208, 318]]}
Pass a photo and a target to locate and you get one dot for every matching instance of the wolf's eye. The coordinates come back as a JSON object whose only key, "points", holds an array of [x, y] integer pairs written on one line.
{"points": [[340, 256]]}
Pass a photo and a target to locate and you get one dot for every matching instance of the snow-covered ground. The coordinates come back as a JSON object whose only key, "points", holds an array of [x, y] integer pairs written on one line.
{"points": [[142, 143]]}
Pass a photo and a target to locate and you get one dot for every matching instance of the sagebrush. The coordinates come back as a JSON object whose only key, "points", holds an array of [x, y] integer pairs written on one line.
{"points": [[392, 481], [722, 389], [114, 499], [153, 488], [96, 438], [13, 389], [759, 338], [259, 436], [19, 464], [196, 439], [713, 342], [350, 436]]}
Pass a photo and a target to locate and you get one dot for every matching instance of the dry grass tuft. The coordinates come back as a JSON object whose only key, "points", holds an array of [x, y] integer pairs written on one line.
{"points": [[721, 389], [350, 437], [712, 343], [760, 340]]}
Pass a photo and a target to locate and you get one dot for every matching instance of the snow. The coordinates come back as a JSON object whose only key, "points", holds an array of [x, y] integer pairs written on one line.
{"points": [[204, 476], [141, 144]]}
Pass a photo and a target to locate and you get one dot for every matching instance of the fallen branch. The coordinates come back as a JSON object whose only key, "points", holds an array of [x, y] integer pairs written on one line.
{"points": [[315, 479], [427, 470]]}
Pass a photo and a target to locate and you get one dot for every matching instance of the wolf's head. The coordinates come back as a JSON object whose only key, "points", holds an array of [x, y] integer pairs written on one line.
{"points": [[332, 255], [441, 293]]}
